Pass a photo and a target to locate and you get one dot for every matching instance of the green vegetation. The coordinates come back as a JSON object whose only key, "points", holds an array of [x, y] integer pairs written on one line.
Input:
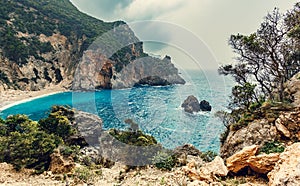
{"points": [[133, 138], [266, 59], [85, 175], [164, 160], [272, 147], [29, 144], [208, 156], [44, 17], [25, 145], [59, 122]]}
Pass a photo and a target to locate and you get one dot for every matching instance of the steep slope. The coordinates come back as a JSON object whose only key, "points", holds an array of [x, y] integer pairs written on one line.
{"points": [[42, 43]]}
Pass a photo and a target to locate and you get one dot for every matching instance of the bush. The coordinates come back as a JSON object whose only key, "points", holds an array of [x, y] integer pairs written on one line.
{"points": [[59, 122], [132, 154], [3, 128], [18, 123], [31, 150], [164, 160], [133, 138], [24, 145], [72, 151], [208, 156], [84, 174], [272, 147]]}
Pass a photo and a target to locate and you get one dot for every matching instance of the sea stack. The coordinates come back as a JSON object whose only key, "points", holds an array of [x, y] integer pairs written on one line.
{"points": [[191, 105]]}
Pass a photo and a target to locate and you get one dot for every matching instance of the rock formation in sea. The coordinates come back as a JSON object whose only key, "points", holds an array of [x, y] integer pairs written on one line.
{"points": [[45, 43], [191, 105]]}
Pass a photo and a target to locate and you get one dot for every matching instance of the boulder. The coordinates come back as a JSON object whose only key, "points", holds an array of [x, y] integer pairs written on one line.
{"points": [[89, 127], [287, 169], [59, 164], [281, 128], [191, 104], [255, 133], [205, 106], [207, 172], [293, 90], [263, 163], [238, 161], [215, 168], [288, 124]]}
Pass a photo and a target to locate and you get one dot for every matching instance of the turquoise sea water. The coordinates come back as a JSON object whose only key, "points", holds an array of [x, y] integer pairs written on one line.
{"points": [[156, 109]]}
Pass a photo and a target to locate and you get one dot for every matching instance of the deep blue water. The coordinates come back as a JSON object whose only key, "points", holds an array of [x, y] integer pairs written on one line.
{"points": [[156, 109]]}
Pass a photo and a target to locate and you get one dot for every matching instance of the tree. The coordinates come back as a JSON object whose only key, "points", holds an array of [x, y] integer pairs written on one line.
{"points": [[266, 57], [292, 21], [24, 145]]}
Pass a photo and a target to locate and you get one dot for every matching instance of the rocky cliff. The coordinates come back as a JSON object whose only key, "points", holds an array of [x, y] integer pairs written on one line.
{"points": [[279, 122], [45, 42]]}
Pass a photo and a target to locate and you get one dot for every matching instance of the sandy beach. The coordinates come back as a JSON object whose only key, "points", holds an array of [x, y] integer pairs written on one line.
{"points": [[13, 97]]}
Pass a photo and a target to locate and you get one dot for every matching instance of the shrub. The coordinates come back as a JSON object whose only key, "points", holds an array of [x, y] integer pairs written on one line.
{"points": [[59, 122], [164, 160], [208, 156], [133, 138], [84, 174], [24, 145], [132, 154], [31, 150], [272, 147], [3, 129], [14, 123], [72, 151]]}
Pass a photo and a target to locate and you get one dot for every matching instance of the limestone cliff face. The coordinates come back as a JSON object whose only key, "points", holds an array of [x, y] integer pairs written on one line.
{"points": [[36, 73], [46, 43], [96, 71]]}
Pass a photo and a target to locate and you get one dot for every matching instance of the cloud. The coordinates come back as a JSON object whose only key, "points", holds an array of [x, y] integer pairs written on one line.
{"points": [[103, 9], [148, 9]]}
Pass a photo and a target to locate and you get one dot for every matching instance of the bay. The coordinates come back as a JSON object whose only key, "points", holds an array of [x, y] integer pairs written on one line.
{"points": [[157, 110]]}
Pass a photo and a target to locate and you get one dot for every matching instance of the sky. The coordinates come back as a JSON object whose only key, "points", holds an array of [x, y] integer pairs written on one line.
{"points": [[194, 33]]}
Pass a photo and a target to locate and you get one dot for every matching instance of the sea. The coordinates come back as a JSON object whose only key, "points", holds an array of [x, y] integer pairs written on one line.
{"points": [[157, 110]]}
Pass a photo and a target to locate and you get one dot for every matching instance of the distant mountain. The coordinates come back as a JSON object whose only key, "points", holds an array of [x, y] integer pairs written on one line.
{"points": [[43, 42]]}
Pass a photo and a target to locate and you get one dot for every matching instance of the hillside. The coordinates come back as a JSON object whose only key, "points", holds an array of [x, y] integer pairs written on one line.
{"points": [[42, 42]]}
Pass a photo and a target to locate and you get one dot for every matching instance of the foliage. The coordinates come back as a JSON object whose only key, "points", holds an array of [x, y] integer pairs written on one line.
{"points": [[265, 60], [208, 156], [133, 138], [84, 174], [243, 96], [59, 122], [164, 160], [272, 147], [24, 145], [28, 144], [70, 151], [44, 17], [140, 148], [265, 56]]}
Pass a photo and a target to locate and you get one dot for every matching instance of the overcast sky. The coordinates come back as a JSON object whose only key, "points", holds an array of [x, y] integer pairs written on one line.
{"points": [[203, 24]]}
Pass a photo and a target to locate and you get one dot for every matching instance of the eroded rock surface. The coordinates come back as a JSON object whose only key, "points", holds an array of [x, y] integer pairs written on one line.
{"points": [[287, 169]]}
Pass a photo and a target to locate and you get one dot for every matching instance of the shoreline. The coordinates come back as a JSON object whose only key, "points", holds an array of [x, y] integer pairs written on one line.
{"points": [[10, 98]]}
